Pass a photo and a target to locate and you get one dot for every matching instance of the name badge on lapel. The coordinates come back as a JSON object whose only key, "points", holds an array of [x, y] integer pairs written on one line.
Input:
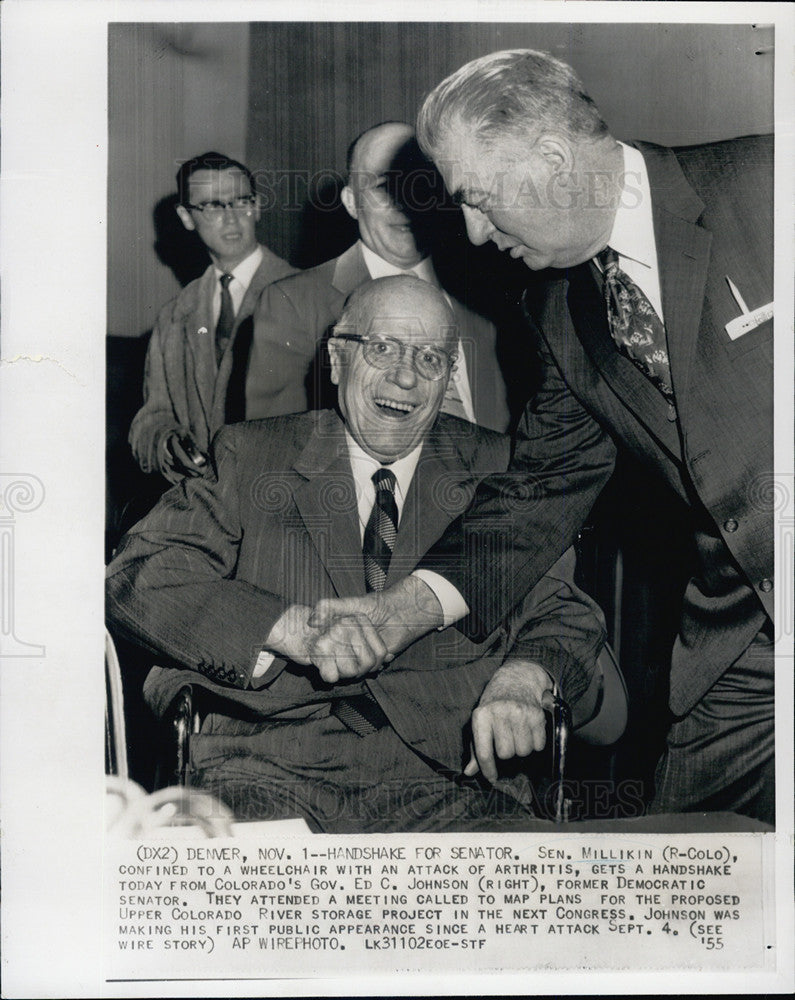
{"points": [[750, 319]]}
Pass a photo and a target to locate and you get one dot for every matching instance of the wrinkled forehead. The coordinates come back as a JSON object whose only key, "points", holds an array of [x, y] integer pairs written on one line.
{"points": [[210, 185]]}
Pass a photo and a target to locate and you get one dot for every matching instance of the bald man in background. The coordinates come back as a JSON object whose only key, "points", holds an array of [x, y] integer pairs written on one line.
{"points": [[386, 172]]}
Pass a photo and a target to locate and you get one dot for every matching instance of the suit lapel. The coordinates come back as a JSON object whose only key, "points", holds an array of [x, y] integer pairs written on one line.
{"points": [[252, 293], [683, 255], [326, 501], [630, 385], [440, 490], [263, 277], [199, 334], [350, 270]]}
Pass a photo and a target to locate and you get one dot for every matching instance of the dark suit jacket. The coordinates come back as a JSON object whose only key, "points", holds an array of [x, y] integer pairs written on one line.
{"points": [[183, 387], [293, 316], [712, 210], [203, 578]]}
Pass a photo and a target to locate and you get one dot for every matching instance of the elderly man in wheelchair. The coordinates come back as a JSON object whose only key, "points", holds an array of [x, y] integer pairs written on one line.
{"points": [[305, 714]]}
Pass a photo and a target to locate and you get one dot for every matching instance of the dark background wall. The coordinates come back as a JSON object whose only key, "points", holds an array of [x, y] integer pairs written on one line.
{"points": [[289, 97], [173, 90], [313, 87]]}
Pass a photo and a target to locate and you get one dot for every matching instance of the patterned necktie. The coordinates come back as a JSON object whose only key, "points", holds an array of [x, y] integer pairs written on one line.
{"points": [[636, 328], [226, 319], [381, 530]]}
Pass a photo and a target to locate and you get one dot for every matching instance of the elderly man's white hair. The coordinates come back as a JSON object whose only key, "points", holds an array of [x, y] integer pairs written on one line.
{"points": [[516, 93]]}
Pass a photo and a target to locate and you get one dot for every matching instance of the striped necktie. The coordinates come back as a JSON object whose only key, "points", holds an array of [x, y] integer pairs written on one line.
{"points": [[361, 713], [381, 530], [226, 318]]}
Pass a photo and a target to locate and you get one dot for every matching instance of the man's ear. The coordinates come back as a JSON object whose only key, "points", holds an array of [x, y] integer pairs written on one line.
{"points": [[556, 151], [336, 353], [185, 217], [349, 201]]}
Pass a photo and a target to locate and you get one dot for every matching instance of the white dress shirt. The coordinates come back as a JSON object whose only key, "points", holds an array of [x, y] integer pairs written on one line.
{"points": [[632, 237], [362, 467], [238, 286], [380, 268]]}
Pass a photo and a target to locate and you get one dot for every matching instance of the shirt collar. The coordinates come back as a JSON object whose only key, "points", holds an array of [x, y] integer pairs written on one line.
{"points": [[633, 228], [380, 268], [246, 269], [364, 465]]}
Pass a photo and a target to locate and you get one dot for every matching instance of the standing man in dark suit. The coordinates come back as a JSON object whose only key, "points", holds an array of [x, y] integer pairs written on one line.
{"points": [[654, 323], [385, 171], [189, 358], [223, 575]]}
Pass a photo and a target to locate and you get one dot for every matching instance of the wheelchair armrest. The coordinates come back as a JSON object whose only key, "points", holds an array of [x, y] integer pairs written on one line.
{"points": [[181, 718]]}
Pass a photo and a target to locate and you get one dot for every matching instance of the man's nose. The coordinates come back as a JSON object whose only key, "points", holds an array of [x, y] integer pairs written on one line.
{"points": [[403, 374], [479, 227]]}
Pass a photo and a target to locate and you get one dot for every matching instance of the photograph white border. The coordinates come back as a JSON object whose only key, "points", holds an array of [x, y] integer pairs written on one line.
{"points": [[53, 249]]}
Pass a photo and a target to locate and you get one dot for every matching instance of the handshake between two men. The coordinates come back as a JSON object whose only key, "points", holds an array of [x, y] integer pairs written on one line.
{"points": [[348, 638]]}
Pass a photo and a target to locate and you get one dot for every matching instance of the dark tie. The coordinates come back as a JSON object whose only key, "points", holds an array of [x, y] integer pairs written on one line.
{"points": [[381, 530], [361, 713], [636, 328], [226, 318]]}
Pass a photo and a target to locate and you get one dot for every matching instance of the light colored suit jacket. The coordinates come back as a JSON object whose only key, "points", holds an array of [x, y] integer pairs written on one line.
{"points": [[712, 210], [183, 386], [293, 316], [202, 579]]}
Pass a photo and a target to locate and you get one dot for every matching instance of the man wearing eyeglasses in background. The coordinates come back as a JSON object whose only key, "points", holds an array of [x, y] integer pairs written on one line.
{"points": [[190, 356], [223, 577]]}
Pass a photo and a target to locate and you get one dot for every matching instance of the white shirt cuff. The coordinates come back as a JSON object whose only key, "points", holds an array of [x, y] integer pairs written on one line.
{"points": [[454, 607], [264, 660]]}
